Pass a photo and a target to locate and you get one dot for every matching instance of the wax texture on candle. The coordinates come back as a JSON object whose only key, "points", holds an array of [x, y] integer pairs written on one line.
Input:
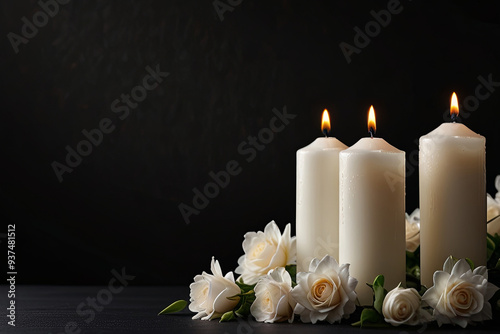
{"points": [[372, 214], [452, 197], [317, 205]]}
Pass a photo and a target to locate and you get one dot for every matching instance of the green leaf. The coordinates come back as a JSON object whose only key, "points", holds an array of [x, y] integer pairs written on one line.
{"points": [[241, 295], [246, 299], [292, 270], [413, 258], [245, 287], [378, 282], [413, 269], [379, 292], [422, 290], [369, 316], [471, 264], [244, 309], [228, 316], [174, 307], [490, 245], [493, 248], [495, 304], [412, 282]]}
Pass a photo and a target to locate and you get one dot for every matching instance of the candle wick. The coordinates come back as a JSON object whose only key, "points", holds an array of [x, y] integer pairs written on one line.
{"points": [[325, 132], [454, 117], [371, 132]]}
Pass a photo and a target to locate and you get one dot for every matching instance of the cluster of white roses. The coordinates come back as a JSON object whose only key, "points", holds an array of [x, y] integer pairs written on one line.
{"points": [[327, 292], [459, 296]]}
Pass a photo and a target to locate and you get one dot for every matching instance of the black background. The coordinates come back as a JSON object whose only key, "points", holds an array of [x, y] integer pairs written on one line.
{"points": [[119, 207]]}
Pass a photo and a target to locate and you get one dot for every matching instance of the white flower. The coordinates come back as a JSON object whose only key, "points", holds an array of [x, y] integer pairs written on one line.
{"points": [[265, 251], [209, 293], [326, 292], [493, 205], [413, 230], [273, 302], [402, 306], [460, 295]]}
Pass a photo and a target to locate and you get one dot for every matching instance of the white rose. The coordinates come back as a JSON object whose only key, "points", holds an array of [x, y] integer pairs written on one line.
{"points": [[413, 230], [402, 306], [326, 292], [493, 211], [493, 205], [459, 295], [209, 293], [265, 251], [273, 302]]}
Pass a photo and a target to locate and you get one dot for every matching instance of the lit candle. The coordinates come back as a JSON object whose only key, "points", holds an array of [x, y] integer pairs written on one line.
{"points": [[372, 212], [452, 196], [317, 204]]}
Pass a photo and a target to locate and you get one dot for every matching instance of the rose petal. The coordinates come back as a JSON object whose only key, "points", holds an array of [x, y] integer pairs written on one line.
{"points": [[441, 279], [491, 289], [215, 266], [460, 268], [313, 265], [283, 309], [272, 231], [199, 315], [481, 270], [448, 265], [328, 266]]}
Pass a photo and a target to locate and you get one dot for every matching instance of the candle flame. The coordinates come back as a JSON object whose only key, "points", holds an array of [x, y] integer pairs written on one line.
{"points": [[372, 124], [325, 123], [454, 106]]}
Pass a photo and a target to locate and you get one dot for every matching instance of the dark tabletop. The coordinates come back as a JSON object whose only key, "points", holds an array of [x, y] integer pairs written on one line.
{"points": [[53, 309]]}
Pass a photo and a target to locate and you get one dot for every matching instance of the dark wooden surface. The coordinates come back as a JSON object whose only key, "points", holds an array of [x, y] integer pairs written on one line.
{"points": [[48, 309]]}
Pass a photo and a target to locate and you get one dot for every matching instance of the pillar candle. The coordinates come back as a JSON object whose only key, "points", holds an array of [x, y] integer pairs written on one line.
{"points": [[452, 196], [372, 213], [317, 221]]}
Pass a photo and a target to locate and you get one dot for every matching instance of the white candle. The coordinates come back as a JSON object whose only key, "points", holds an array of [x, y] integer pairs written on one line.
{"points": [[317, 204], [452, 196], [372, 213]]}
